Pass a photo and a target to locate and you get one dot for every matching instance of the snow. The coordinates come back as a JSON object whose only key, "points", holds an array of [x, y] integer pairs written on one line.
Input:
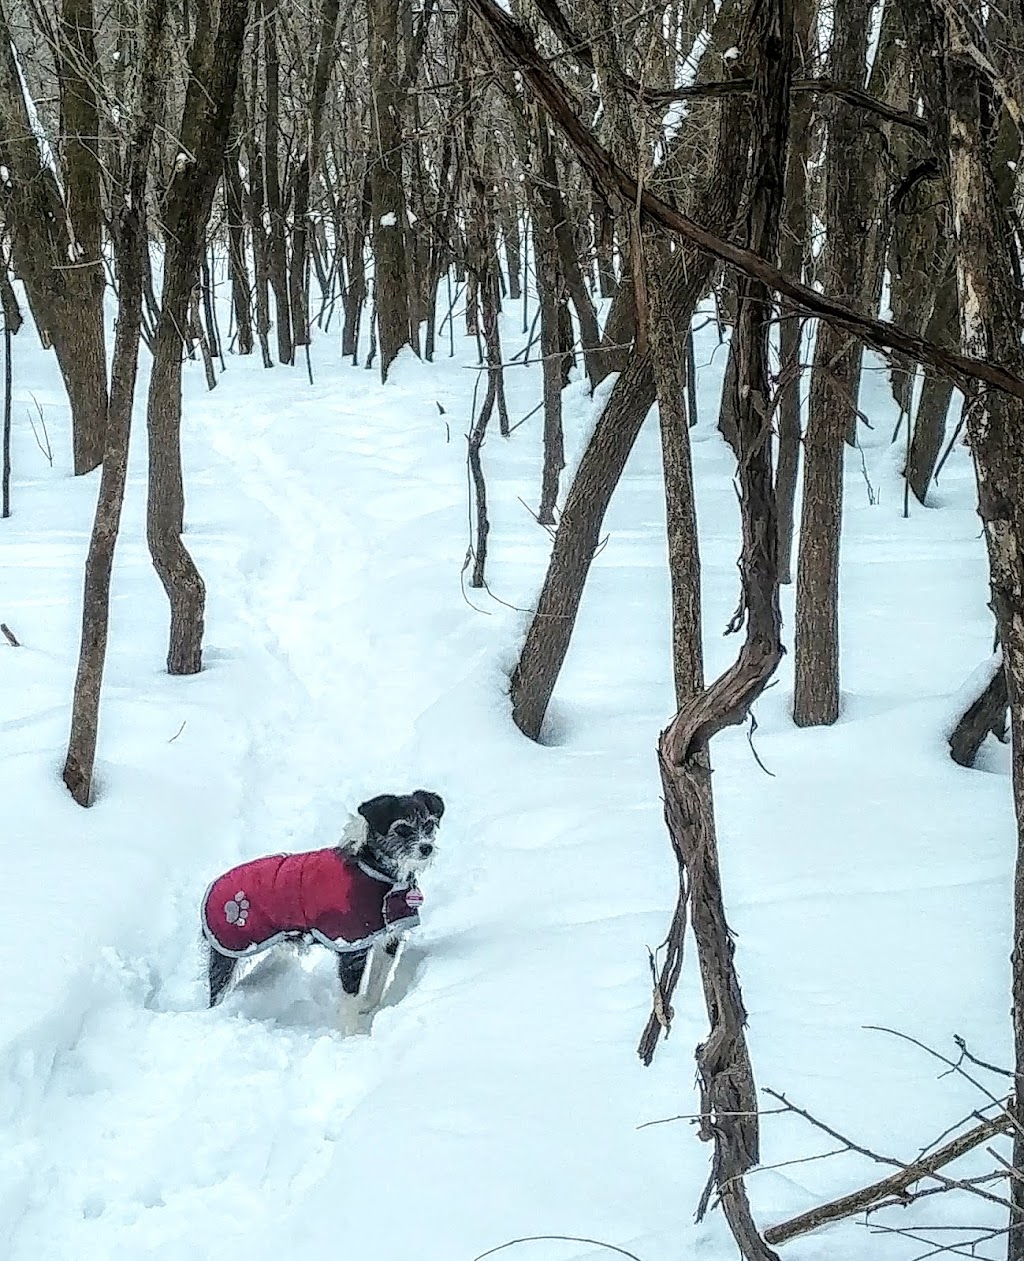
{"points": [[388, 220], [499, 1096]]}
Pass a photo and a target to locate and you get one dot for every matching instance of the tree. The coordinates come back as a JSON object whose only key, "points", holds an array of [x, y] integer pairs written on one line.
{"points": [[131, 243], [214, 59], [835, 380], [395, 317], [55, 226]]}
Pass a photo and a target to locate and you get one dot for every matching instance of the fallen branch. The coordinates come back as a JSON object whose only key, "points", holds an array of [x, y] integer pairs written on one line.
{"points": [[987, 712], [895, 1186], [8, 634]]}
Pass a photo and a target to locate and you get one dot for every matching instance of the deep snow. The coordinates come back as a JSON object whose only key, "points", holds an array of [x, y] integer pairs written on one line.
{"points": [[867, 878]]}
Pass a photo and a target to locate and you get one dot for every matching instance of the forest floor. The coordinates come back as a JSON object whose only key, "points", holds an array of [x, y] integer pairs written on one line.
{"points": [[867, 878]]}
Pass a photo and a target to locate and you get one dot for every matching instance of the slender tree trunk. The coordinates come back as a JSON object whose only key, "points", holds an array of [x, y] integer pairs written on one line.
{"points": [[5, 505], [792, 251], [547, 641], [78, 67], [389, 215], [132, 244], [833, 396], [214, 60], [929, 427], [277, 254], [241, 286], [512, 236], [309, 170], [44, 233], [729, 1102]]}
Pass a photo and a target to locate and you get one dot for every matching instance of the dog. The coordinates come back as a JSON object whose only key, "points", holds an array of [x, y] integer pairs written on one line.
{"points": [[359, 899]]}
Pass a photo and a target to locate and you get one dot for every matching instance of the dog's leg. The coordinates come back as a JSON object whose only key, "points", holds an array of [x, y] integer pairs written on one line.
{"points": [[382, 962], [351, 968], [220, 969]]}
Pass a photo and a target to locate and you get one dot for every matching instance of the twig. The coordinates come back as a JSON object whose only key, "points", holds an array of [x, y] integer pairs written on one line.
{"points": [[992, 1068], [177, 733], [596, 1243], [47, 450], [895, 1185], [954, 1068], [8, 634]]}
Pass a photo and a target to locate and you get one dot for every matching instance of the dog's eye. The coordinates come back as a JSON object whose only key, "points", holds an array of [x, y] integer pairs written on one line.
{"points": [[403, 830], [430, 827]]}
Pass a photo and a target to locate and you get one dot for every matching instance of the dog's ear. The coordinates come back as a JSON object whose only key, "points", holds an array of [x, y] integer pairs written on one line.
{"points": [[381, 812], [434, 804]]}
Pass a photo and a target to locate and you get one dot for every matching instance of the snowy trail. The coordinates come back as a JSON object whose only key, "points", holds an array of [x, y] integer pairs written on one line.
{"points": [[499, 1095], [265, 1100], [162, 1130]]}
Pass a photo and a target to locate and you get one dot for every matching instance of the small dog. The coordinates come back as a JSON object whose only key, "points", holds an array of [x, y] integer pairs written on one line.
{"points": [[358, 899]]}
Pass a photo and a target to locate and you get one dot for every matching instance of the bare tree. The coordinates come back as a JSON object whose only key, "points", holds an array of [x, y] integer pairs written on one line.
{"points": [[395, 318], [214, 59], [131, 244], [835, 380], [54, 244]]}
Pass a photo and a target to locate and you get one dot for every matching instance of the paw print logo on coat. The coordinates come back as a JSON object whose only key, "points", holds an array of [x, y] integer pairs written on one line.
{"points": [[236, 909]]}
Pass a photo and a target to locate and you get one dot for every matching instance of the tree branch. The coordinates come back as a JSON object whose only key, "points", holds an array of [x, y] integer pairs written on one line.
{"points": [[518, 46]]}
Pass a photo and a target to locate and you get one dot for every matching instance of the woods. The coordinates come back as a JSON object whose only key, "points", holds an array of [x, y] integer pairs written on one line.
{"points": [[831, 187]]}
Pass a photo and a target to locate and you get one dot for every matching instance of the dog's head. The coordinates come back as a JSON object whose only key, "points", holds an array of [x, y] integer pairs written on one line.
{"points": [[402, 830]]}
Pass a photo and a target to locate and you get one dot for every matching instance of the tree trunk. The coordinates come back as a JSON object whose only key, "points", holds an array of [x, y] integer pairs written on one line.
{"points": [[277, 253], [547, 640], [213, 61], [929, 427], [985, 714], [43, 232], [833, 395], [792, 253], [78, 68], [387, 192], [309, 169], [729, 1102], [132, 243], [234, 211], [989, 321]]}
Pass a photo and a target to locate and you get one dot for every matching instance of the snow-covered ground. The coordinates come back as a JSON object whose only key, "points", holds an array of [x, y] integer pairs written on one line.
{"points": [[499, 1095]]}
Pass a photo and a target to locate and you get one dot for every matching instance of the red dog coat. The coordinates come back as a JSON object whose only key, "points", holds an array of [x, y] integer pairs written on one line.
{"points": [[329, 895]]}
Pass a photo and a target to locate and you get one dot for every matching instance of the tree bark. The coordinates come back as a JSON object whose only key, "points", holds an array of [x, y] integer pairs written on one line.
{"points": [[132, 242], [729, 1102], [277, 251], [241, 286], [309, 169], [213, 62], [985, 714], [792, 253], [45, 249], [835, 379], [990, 326], [387, 191], [929, 425], [547, 640], [79, 71]]}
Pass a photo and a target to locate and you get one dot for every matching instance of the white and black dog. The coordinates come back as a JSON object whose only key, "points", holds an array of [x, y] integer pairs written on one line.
{"points": [[358, 898]]}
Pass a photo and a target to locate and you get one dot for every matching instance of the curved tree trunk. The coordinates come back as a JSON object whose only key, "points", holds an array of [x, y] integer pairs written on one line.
{"points": [[214, 60], [547, 640]]}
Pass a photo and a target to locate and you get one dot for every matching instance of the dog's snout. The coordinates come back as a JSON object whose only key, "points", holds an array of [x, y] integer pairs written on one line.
{"points": [[426, 850]]}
